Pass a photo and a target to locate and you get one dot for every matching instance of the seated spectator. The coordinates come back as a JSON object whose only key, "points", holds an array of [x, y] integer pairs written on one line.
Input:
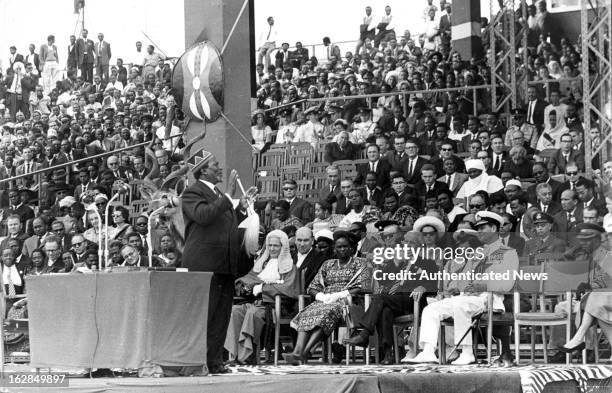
{"points": [[565, 154], [260, 132], [324, 219], [328, 288], [403, 215], [453, 179], [273, 274], [95, 233], [283, 217], [53, 250], [359, 211], [39, 263], [519, 165], [131, 257], [121, 228], [380, 167], [13, 279], [343, 149], [298, 207], [478, 180]]}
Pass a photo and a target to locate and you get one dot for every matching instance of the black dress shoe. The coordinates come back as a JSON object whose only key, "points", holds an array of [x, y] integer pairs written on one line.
{"points": [[361, 340], [387, 359], [558, 357], [219, 369], [338, 352], [578, 347], [102, 373]]}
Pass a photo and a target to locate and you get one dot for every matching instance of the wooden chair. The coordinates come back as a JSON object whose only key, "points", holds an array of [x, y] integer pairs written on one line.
{"points": [[300, 148], [293, 172], [279, 320], [274, 158], [302, 160], [318, 168], [269, 185], [138, 207], [402, 322], [561, 275], [303, 186]]}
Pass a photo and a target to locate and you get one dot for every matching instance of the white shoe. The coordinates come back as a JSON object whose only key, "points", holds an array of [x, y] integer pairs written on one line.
{"points": [[409, 355], [466, 357], [423, 357]]}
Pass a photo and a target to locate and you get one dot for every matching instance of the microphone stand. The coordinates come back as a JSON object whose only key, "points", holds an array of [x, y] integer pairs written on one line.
{"points": [[150, 250], [92, 208]]}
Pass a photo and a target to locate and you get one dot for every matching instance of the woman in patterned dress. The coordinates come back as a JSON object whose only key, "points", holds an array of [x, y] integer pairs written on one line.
{"points": [[336, 280]]}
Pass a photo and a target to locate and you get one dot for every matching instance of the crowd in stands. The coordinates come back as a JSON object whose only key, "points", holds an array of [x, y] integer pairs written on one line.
{"points": [[420, 161]]}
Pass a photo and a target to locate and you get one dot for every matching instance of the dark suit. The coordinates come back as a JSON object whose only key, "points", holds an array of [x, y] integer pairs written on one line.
{"points": [[556, 191], [522, 171], [72, 63], [557, 163], [27, 182], [552, 209], [24, 264], [298, 57], [438, 163], [24, 212], [496, 171], [457, 181], [325, 194], [420, 189], [394, 159], [85, 58], [18, 58], [516, 242], [282, 59], [35, 60], [334, 153], [212, 245], [103, 55], [309, 268], [382, 173], [598, 204], [377, 197], [563, 228], [416, 172], [301, 209], [538, 113]]}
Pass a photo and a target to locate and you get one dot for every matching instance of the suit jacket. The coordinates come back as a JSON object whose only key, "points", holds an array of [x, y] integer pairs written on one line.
{"points": [[4, 242], [85, 51], [458, 181], [36, 62], [523, 171], [301, 209], [24, 264], [27, 182], [564, 229], [18, 58], [393, 158], [28, 85], [516, 242], [377, 198], [598, 204], [416, 172], [421, 190], [282, 59], [326, 195], [79, 189], [382, 174], [298, 57], [309, 268], [538, 112], [341, 205], [25, 212], [30, 244], [557, 162], [553, 208], [556, 191], [102, 52], [438, 163], [504, 159], [72, 56], [212, 242], [333, 152]]}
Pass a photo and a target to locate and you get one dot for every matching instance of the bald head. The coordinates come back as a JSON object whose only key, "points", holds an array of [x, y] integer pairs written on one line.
{"points": [[303, 240]]}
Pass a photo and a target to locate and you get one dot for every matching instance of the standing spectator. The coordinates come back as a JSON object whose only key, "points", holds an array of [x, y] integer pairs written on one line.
{"points": [[137, 56], [14, 57], [386, 27], [121, 72], [332, 50], [33, 58], [85, 56], [72, 62], [102, 58], [367, 29], [535, 108], [299, 56], [267, 43], [14, 98], [150, 61]]}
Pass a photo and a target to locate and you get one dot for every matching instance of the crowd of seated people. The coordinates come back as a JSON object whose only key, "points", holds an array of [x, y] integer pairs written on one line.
{"points": [[428, 167]]}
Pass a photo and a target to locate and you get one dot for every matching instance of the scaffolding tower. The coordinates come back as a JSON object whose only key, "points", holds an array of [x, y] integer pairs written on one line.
{"points": [[597, 77], [508, 37]]}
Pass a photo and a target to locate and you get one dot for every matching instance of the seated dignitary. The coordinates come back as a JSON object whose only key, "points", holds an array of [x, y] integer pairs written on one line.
{"points": [[465, 303], [399, 299], [337, 279], [273, 274]]}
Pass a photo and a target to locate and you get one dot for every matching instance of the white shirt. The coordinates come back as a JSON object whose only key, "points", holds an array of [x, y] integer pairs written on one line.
{"points": [[212, 187], [268, 34], [301, 258], [484, 182], [169, 144], [14, 274]]}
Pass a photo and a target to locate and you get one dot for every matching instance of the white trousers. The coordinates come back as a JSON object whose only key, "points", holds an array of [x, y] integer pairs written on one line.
{"points": [[460, 308], [50, 75]]}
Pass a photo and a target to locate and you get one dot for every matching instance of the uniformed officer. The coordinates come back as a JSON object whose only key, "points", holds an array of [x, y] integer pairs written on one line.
{"points": [[473, 300], [544, 241]]}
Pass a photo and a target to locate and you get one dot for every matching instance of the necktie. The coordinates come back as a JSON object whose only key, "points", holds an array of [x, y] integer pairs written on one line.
{"points": [[219, 193], [504, 241], [545, 208], [572, 185], [496, 166], [570, 217], [269, 33], [518, 225], [530, 114], [373, 167], [11, 286], [448, 180], [411, 167], [331, 188]]}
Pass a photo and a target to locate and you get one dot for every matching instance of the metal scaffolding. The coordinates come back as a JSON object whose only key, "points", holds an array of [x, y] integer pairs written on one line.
{"points": [[506, 31], [597, 76]]}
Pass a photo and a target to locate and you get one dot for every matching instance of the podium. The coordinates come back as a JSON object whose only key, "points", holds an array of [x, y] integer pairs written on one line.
{"points": [[118, 320]]}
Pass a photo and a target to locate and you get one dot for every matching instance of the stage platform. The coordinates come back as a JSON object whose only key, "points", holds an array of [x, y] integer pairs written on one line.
{"points": [[357, 379]]}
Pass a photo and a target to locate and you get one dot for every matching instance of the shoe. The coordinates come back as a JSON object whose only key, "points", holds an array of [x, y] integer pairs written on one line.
{"points": [[578, 347], [506, 359], [422, 358], [102, 373], [292, 359], [361, 340], [409, 355], [451, 357], [219, 369], [338, 352], [466, 357], [387, 358], [558, 357]]}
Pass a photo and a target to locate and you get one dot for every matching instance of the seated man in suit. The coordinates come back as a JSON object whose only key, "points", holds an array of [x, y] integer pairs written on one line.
{"points": [[447, 152], [544, 241], [373, 194], [308, 260], [451, 177], [404, 194], [380, 167], [331, 188], [23, 262], [413, 163], [540, 172], [564, 155], [519, 165], [343, 149], [53, 249], [544, 200], [586, 195], [427, 183], [131, 257], [13, 281], [298, 207]]}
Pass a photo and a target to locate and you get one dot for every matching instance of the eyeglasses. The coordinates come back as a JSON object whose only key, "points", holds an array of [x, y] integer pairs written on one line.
{"points": [[571, 173], [58, 230], [443, 149], [478, 206], [141, 224], [78, 244], [429, 233], [288, 188]]}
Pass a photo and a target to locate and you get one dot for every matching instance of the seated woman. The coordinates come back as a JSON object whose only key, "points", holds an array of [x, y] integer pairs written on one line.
{"points": [[273, 274], [39, 263], [336, 280], [324, 219], [121, 228], [92, 234]]}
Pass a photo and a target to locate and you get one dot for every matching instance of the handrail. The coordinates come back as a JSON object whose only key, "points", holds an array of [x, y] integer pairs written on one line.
{"points": [[80, 160]]}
